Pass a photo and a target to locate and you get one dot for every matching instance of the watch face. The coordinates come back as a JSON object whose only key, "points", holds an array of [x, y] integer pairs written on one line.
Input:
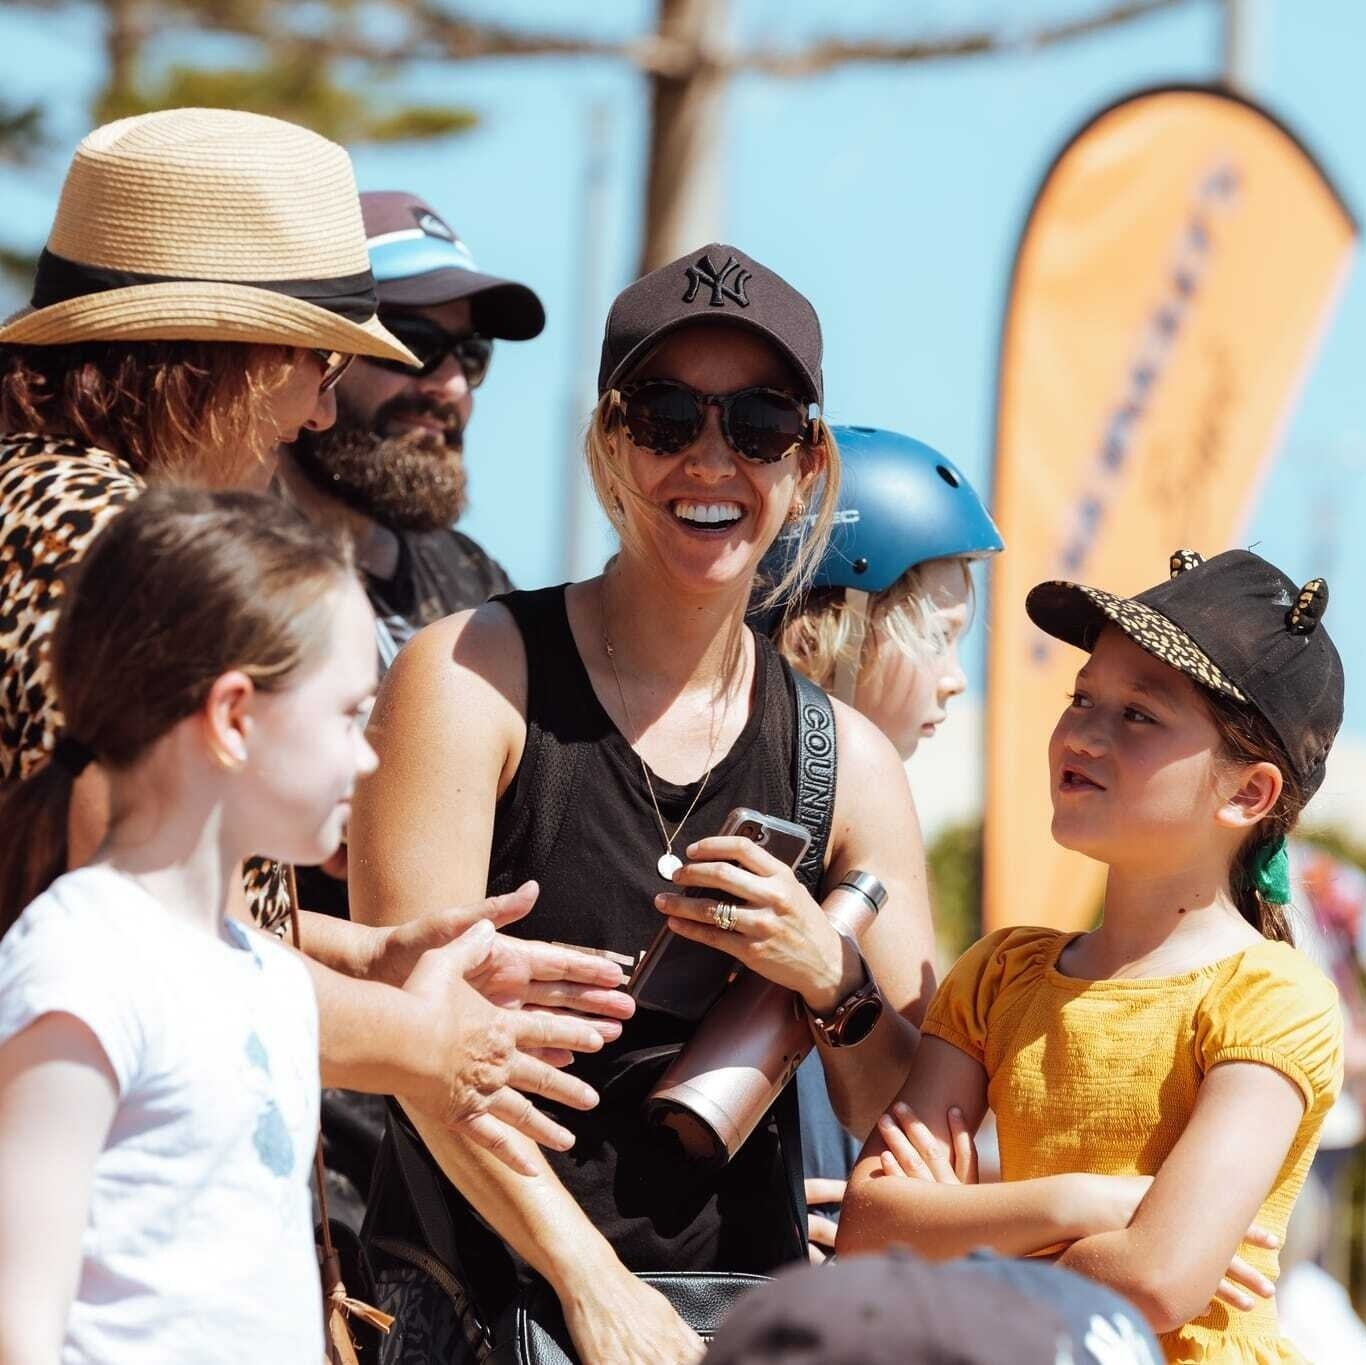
{"points": [[860, 1020]]}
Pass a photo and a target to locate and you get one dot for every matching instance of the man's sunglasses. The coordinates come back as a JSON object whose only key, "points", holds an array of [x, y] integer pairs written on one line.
{"points": [[335, 364], [431, 344], [665, 416]]}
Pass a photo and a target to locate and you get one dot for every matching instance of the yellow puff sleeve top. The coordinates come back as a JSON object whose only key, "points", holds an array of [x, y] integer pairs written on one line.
{"points": [[1101, 1076]]}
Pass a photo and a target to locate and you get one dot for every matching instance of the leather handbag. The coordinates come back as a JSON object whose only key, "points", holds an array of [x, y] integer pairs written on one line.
{"points": [[533, 1331]]}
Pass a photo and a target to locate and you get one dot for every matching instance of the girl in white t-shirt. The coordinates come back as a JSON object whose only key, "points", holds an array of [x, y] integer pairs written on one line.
{"points": [[158, 1060]]}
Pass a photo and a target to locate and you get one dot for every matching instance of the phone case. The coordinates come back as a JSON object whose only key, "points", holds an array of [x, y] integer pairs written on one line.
{"points": [[684, 979]]}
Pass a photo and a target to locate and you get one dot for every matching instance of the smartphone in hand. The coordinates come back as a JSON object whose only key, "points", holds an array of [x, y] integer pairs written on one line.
{"points": [[684, 979]]}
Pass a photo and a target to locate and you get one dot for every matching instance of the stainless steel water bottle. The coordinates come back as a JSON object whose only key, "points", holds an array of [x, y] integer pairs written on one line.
{"points": [[748, 1047]]}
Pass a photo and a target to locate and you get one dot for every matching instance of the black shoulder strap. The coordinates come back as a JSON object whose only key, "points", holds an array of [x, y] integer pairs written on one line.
{"points": [[426, 1189], [813, 777]]}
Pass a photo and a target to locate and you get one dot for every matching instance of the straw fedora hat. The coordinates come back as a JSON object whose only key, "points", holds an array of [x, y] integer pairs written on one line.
{"points": [[207, 225]]}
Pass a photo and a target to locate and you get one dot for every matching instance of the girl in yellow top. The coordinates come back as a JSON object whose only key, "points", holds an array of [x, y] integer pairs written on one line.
{"points": [[1159, 1083]]}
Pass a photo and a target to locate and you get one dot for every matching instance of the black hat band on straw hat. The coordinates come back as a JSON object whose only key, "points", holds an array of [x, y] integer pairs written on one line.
{"points": [[57, 279], [72, 756]]}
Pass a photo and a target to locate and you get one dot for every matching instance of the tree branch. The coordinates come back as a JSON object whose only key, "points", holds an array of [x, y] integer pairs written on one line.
{"points": [[435, 33], [826, 53]]}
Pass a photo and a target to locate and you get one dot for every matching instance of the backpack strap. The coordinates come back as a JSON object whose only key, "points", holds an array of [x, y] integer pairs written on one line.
{"points": [[813, 775]]}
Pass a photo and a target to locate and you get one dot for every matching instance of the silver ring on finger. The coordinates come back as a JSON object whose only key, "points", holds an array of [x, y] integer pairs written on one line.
{"points": [[723, 915]]}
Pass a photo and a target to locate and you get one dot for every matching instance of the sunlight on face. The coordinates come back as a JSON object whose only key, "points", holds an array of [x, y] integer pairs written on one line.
{"points": [[1134, 761], [712, 359], [308, 745], [907, 695]]}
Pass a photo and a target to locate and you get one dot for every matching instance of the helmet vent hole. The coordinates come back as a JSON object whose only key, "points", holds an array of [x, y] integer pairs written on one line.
{"points": [[947, 475]]}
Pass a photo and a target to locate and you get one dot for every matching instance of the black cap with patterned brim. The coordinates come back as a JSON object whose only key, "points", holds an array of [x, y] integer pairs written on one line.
{"points": [[1236, 625], [1076, 614]]}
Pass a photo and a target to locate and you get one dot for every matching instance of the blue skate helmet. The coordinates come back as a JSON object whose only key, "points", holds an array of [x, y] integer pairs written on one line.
{"points": [[901, 503]]}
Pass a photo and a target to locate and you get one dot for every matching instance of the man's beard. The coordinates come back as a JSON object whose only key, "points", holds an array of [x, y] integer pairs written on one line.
{"points": [[410, 481]]}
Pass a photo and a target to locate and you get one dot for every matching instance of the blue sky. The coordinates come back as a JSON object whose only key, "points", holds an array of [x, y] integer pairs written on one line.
{"points": [[892, 196]]}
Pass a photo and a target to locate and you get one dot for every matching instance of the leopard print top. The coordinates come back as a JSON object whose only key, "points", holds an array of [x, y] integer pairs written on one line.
{"points": [[55, 496]]}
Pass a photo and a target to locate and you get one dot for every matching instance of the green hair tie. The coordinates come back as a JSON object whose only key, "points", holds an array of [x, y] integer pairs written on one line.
{"points": [[1270, 872]]}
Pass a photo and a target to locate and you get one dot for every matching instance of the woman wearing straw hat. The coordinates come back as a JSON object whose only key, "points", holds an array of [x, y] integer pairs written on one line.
{"points": [[204, 286]]}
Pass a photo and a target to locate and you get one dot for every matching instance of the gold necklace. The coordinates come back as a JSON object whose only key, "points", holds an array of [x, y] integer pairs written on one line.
{"points": [[669, 862]]}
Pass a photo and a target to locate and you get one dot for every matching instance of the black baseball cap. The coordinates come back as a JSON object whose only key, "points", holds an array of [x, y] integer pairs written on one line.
{"points": [[1237, 625], [893, 1309], [715, 283], [417, 261]]}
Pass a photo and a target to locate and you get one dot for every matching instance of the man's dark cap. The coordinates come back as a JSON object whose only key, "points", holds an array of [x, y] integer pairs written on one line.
{"points": [[1238, 626], [889, 1310], [418, 261], [715, 283]]}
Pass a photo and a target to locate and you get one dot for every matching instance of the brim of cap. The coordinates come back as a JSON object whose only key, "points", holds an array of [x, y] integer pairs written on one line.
{"points": [[502, 308], [1076, 614], [641, 349], [195, 310]]}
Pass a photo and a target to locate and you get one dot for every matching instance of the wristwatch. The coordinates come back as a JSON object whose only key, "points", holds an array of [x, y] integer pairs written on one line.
{"points": [[855, 1017]]}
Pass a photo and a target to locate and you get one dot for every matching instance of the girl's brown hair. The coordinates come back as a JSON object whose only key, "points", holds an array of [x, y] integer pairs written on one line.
{"points": [[178, 410], [177, 590], [1247, 738]]}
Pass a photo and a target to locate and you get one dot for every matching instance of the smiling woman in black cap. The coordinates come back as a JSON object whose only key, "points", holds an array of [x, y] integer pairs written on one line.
{"points": [[592, 737]]}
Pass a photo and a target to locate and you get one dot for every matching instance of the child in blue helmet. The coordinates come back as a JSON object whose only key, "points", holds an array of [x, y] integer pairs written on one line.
{"points": [[879, 628], [880, 625]]}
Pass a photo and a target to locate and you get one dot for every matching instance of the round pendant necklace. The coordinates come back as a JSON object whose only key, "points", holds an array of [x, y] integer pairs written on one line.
{"points": [[669, 862]]}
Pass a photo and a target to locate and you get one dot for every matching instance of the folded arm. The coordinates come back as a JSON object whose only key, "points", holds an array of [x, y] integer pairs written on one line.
{"points": [[944, 1219], [1171, 1258]]}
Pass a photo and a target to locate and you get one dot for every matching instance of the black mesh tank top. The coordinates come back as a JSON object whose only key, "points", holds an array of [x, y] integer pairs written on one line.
{"points": [[578, 819]]}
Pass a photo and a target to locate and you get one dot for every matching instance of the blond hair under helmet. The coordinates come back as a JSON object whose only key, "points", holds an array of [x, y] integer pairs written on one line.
{"points": [[207, 225]]}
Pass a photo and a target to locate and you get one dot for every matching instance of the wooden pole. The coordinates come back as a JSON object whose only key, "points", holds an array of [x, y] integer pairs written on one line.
{"points": [[687, 156]]}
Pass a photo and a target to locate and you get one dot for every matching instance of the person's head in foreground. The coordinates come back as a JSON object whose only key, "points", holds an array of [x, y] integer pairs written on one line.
{"points": [[880, 623], [704, 444], [898, 1310], [203, 288], [215, 655], [1199, 726], [396, 453]]}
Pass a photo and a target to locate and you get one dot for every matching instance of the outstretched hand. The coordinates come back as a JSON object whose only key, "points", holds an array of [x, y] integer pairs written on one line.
{"points": [[516, 973], [486, 1065]]}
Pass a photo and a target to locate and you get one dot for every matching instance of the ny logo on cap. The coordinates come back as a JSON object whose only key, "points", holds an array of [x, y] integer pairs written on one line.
{"points": [[703, 272]]}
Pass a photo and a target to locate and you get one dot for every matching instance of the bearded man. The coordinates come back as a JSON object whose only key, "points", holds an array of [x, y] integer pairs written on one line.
{"points": [[393, 467]]}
